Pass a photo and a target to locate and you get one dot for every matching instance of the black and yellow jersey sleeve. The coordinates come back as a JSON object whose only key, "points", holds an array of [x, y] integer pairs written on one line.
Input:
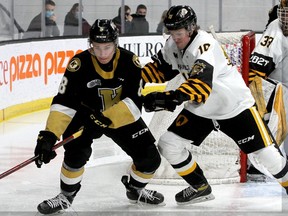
{"points": [[260, 65], [158, 71], [57, 122], [199, 84]]}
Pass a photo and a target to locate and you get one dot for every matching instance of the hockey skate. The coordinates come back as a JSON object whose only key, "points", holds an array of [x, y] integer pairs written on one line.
{"points": [[255, 175], [56, 204], [142, 195], [191, 195]]}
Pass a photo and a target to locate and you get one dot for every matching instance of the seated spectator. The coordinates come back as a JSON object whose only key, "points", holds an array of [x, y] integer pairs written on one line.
{"points": [[71, 22], [161, 28], [140, 25], [128, 19], [51, 28]]}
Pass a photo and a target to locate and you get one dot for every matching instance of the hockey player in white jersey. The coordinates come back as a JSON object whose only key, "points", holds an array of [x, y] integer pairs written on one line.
{"points": [[269, 61], [216, 98]]}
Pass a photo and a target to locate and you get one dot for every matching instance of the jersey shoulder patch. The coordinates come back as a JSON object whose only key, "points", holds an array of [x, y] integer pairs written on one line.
{"points": [[74, 65], [197, 68], [136, 61]]}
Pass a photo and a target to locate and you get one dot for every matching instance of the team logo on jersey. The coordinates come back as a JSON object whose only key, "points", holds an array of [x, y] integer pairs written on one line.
{"points": [[74, 65], [93, 83], [181, 120], [197, 68], [136, 61]]}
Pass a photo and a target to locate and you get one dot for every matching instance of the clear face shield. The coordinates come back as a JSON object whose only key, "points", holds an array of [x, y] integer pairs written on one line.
{"points": [[283, 19]]}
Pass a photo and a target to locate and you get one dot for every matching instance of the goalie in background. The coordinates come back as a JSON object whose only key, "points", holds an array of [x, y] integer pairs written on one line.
{"points": [[268, 76], [216, 98], [100, 90]]}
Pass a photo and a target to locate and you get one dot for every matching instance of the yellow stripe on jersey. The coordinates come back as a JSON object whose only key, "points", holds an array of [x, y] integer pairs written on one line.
{"points": [[253, 73], [101, 72], [262, 128], [196, 89], [188, 171], [144, 77], [150, 74], [207, 87], [120, 115], [57, 123]]}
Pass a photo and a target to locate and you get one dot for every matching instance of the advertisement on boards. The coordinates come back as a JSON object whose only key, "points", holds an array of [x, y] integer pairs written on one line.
{"points": [[33, 70]]}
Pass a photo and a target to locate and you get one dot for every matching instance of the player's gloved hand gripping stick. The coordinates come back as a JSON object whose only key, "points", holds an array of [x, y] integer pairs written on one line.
{"points": [[94, 119], [157, 101], [30, 160], [44, 148]]}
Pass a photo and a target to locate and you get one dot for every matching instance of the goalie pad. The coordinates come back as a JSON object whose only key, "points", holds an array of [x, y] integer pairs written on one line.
{"points": [[272, 104]]}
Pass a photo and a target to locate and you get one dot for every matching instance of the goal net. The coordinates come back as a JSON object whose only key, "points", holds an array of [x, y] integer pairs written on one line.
{"points": [[218, 155]]}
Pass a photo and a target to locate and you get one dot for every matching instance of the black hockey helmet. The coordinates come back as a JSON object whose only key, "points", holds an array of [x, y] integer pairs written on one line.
{"points": [[180, 16], [103, 31], [282, 13]]}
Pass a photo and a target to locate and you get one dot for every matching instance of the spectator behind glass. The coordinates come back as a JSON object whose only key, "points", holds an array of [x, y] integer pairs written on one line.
{"points": [[161, 28], [128, 19], [51, 30], [140, 25], [71, 22]]}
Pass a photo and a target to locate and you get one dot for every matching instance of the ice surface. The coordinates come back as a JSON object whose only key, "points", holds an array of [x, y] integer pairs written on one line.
{"points": [[102, 193]]}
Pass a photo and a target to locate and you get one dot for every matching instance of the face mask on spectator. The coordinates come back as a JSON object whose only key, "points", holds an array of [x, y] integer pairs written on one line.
{"points": [[49, 14]]}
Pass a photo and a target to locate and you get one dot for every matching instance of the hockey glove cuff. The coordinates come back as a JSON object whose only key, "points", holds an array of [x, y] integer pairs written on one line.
{"points": [[45, 143], [156, 101]]}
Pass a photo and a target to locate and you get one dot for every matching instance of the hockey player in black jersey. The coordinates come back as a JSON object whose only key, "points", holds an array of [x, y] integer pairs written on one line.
{"points": [[216, 98], [100, 90]]}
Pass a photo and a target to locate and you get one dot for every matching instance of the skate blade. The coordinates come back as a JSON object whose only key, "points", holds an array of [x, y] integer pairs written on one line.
{"points": [[136, 202], [198, 200], [257, 178], [51, 214], [66, 212]]}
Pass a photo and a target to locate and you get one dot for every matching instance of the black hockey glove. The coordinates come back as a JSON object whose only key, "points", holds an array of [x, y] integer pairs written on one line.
{"points": [[156, 101], [93, 119], [45, 143]]}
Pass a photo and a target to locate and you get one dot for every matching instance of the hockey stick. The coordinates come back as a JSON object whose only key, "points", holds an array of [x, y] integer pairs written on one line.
{"points": [[25, 163], [212, 30]]}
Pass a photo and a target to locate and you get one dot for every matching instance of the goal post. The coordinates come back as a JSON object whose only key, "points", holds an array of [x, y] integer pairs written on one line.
{"points": [[248, 44], [218, 155]]}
